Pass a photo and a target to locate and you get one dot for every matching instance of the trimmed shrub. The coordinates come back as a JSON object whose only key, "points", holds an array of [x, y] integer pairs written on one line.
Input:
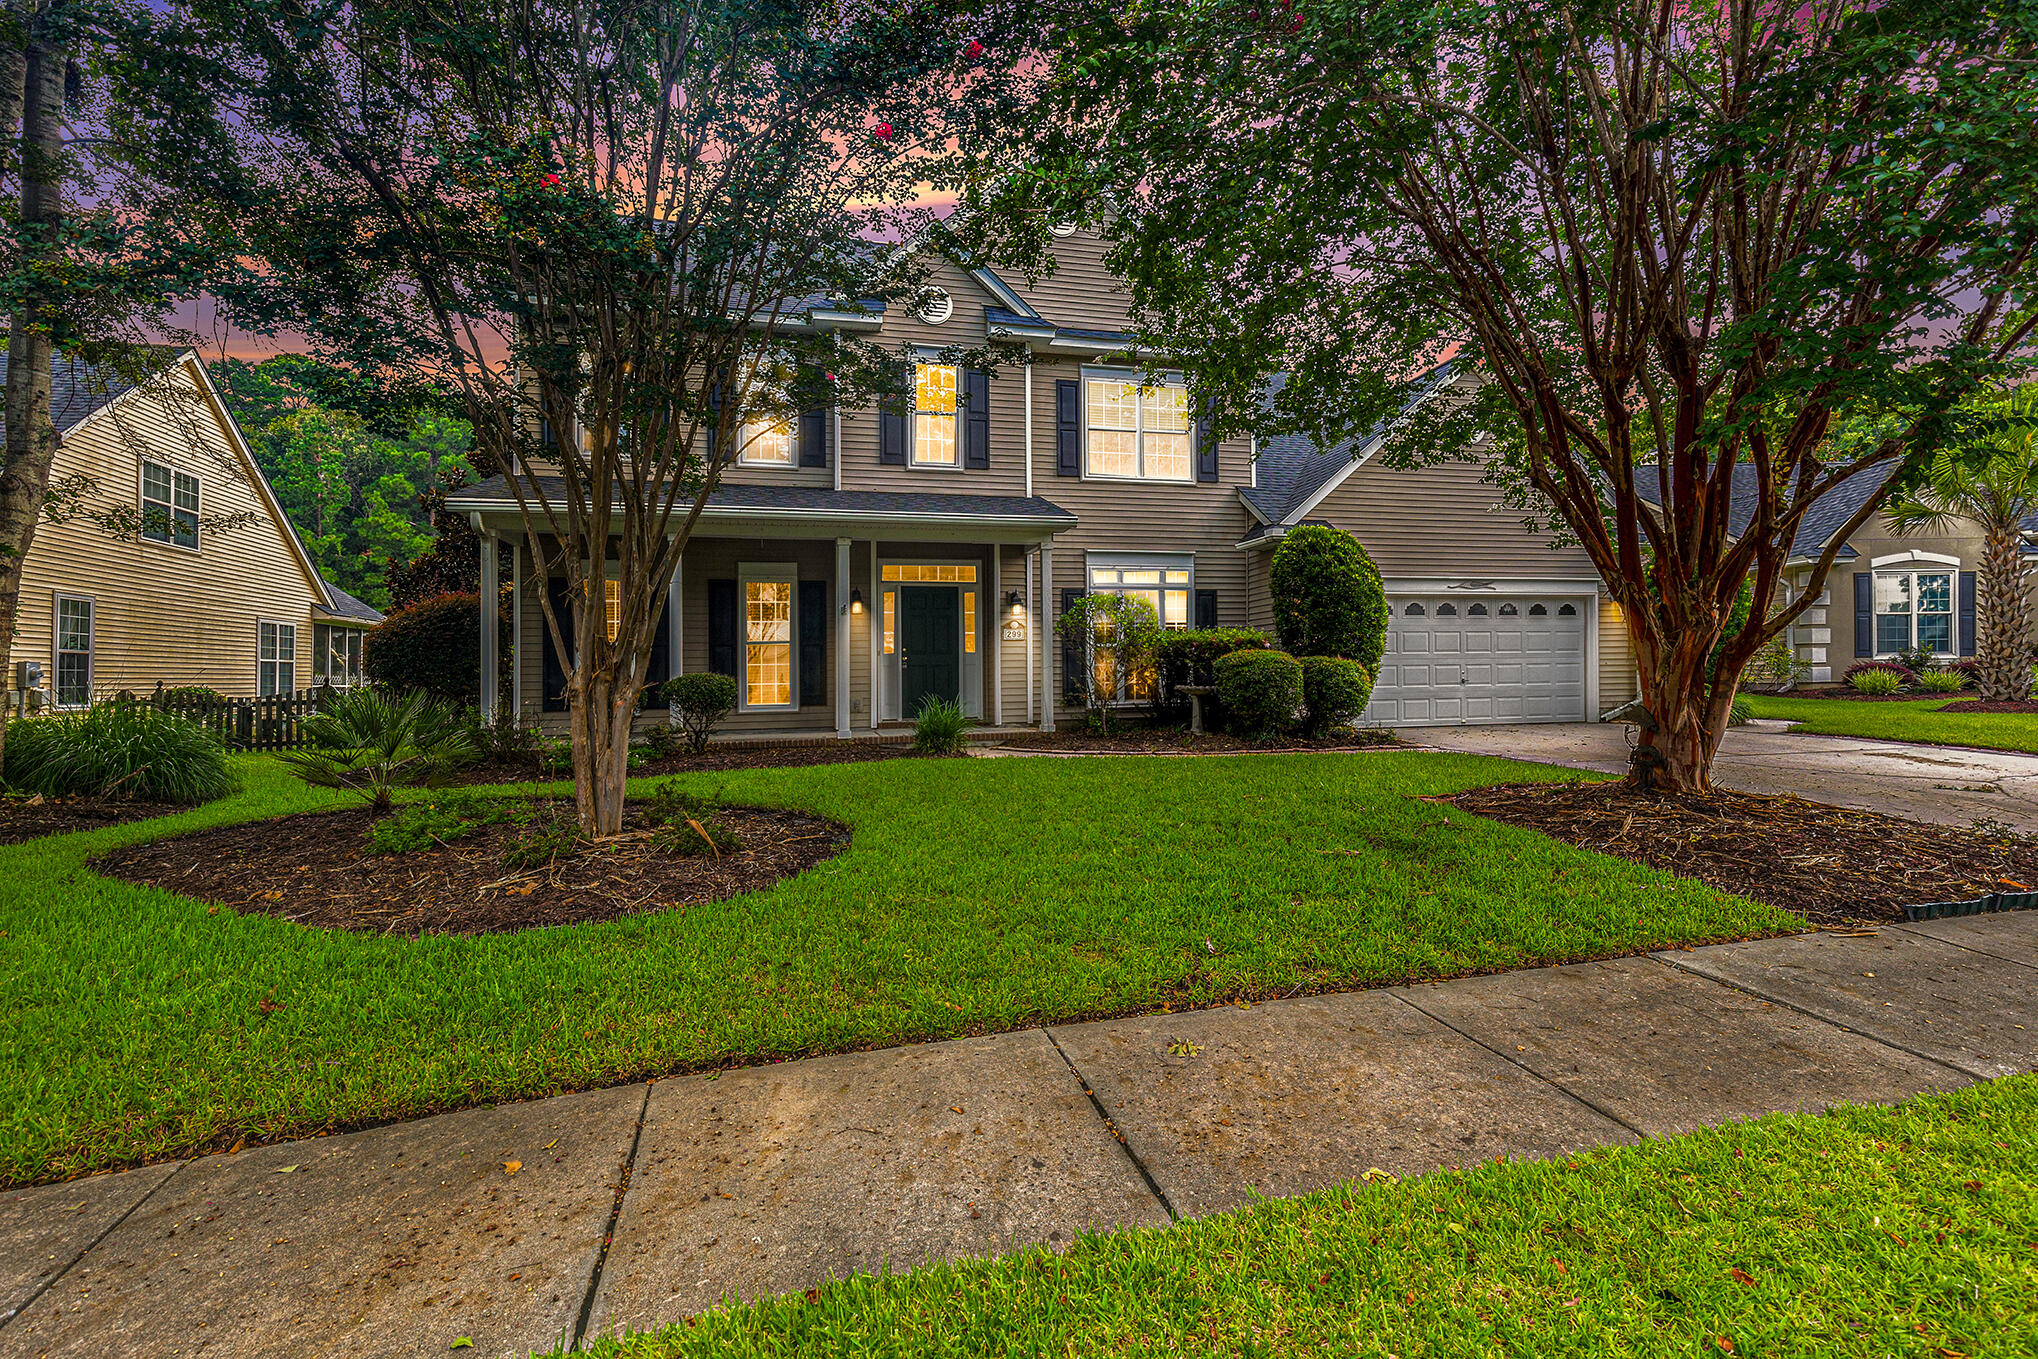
{"points": [[1876, 682], [442, 820], [700, 701], [1941, 682], [1327, 596], [1260, 691], [117, 750], [1904, 674], [434, 645], [190, 693], [940, 727], [1335, 691], [1185, 657]]}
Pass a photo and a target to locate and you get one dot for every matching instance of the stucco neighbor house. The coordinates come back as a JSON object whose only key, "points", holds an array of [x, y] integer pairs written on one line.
{"points": [[213, 588], [854, 563]]}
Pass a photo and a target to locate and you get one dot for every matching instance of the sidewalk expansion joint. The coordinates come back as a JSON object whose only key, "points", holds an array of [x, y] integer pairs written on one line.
{"points": [[89, 1246], [1124, 1143], [608, 1236], [1908, 928], [1844, 1027], [1508, 1057]]}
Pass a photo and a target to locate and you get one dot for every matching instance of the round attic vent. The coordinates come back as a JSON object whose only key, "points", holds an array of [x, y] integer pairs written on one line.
{"points": [[1062, 228], [937, 308]]}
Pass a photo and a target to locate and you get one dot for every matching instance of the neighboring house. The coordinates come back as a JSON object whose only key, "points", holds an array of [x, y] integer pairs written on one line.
{"points": [[854, 564], [213, 588]]}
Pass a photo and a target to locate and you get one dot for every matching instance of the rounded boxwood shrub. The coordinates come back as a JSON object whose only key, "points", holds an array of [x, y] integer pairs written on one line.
{"points": [[117, 750], [1185, 656], [1328, 600], [434, 645], [1335, 691], [699, 700], [1260, 691]]}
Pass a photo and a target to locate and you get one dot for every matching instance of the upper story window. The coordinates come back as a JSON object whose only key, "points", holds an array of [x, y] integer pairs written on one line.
{"points": [[766, 440], [169, 505], [1914, 609], [934, 389], [1136, 432]]}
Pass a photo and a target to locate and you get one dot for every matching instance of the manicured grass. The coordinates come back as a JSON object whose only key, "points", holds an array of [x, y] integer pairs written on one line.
{"points": [[978, 895], [1919, 721], [1865, 1232]]}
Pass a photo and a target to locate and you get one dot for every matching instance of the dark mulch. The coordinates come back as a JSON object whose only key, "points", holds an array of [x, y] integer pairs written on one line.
{"points": [[1982, 705], [1178, 741], [27, 818], [314, 870], [720, 758], [1829, 864]]}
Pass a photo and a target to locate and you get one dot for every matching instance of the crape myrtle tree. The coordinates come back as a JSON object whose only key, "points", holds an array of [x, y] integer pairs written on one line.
{"points": [[592, 223], [1688, 257]]}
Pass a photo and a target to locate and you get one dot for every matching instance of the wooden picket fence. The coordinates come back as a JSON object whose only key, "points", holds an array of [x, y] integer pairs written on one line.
{"points": [[272, 722]]}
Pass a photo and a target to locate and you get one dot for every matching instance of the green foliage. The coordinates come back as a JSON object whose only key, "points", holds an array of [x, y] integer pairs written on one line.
{"points": [[541, 843], [1260, 691], [443, 819], [1328, 600], [191, 693], [1941, 681], [701, 700], [941, 727], [1739, 711], [1335, 692], [696, 838], [555, 756], [1879, 683], [671, 804], [1776, 665], [117, 750], [372, 742], [507, 737], [434, 646], [1185, 656], [1118, 637]]}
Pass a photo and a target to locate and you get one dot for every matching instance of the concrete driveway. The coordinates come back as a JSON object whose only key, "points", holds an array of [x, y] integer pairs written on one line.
{"points": [[1927, 783]]}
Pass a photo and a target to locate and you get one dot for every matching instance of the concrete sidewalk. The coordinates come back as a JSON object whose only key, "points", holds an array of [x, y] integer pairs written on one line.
{"points": [[532, 1225]]}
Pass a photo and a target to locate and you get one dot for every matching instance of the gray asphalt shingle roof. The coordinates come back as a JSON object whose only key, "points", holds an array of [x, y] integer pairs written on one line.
{"points": [[77, 390], [818, 499], [345, 605], [1827, 515], [1292, 467]]}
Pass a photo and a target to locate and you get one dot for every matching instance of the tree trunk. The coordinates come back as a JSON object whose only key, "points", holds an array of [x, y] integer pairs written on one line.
{"points": [[1689, 710], [31, 440], [604, 711], [2002, 659]]}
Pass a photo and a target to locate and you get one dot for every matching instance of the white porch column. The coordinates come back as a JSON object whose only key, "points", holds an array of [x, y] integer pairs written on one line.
{"points": [[517, 626], [675, 620], [1032, 622], [994, 613], [841, 635], [1046, 636], [877, 655], [490, 636]]}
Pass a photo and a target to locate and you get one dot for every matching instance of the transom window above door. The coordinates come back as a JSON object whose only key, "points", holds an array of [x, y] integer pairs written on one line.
{"points": [[1914, 609], [934, 391], [1136, 432]]}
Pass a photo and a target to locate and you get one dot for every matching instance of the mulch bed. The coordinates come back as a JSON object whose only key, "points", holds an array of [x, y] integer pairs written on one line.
{"points": [[1829, 864], [315, 870], [27, 818], [1178, 741], [1982, 705]]}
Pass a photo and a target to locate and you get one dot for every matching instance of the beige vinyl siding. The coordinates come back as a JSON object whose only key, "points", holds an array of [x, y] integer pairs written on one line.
{"points": [[1875, 540], [1444, 521], [163, 612], [1617, 679], [1081, 291]]}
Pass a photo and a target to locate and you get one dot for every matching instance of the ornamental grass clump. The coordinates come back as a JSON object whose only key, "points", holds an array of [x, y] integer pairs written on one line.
{"points": [[1941, 682], [371, 742], [117, 750], [941, 728], [1876, 683]]}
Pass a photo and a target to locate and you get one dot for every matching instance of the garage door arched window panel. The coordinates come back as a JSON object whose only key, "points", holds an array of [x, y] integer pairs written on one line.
{"points": [[1508, 611], [1914, 609], [1477, 611], [1415, 609], [1447, 610], [1538, 611], [1567, 611]]}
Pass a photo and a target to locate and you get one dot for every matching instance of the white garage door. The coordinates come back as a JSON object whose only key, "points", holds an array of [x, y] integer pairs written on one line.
{"points": [[1452, 660]]}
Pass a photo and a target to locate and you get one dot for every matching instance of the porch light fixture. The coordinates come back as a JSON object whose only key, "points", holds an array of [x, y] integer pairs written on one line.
{"points": [[1012, 601], [855, 601]]}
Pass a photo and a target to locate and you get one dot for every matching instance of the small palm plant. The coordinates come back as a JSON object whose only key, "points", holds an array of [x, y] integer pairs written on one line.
{"points": [[372, 742]]}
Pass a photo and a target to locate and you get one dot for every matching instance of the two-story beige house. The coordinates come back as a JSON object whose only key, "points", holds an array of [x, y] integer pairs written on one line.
{"points": [[857, 562], [211, 587]]}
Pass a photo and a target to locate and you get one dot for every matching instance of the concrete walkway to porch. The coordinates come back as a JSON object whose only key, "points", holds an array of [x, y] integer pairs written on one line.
{"points": [[531, 1225]]}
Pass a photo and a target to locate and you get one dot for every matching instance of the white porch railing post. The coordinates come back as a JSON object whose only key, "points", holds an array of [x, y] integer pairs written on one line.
{"points": [[490, 636], [1043, 626], [841, 635]]}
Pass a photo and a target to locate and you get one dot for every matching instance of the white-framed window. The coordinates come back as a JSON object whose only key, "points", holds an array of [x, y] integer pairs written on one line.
{"points": [[934, 422], [72, 660], [1167, 581], [336, 655], [276, 658], [169, 505], [770, 595], [1133, 431], [1914, 608]]}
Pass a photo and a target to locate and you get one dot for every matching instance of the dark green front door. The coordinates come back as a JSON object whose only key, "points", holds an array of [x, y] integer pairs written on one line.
{"points": [[930, 645]]}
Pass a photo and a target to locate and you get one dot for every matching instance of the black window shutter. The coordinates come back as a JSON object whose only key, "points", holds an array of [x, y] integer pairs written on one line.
{"points": [[1206, 448], [722, 627], [814, 437], [1864, 613], [976, 431], [813, 642], [553, 699], [715, 415], [1068, 430], [1206, 608], [657, 666], [891, 434], [1074, 673], [1967, 613]]}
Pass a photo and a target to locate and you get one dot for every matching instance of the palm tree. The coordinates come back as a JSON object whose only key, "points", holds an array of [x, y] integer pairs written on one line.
{"points": [[372, 742], [1990, 481]]}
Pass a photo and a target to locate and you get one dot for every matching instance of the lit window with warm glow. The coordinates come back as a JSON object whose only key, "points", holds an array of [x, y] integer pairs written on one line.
{"points": [[969, 622], [1136, 432], [934, 415], [891, 613], [612, 607], [767, 643], [766, 444], [932, 573]]}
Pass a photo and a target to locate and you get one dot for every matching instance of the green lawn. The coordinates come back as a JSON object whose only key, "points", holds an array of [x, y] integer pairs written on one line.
{"points": [[978, 895], [1910, 1232], [1918, 721]]}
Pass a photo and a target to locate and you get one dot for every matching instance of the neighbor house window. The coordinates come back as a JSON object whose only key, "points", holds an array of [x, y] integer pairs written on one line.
{"points": [[1167, 584], [335, 655], [934, 415], [169, 505], [1136, 432], [1914, 609], [768, 594], [74, 652], [277, 669]]}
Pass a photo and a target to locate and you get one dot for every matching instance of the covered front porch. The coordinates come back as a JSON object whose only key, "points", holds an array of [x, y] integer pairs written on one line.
{"points": [[837, 613]]}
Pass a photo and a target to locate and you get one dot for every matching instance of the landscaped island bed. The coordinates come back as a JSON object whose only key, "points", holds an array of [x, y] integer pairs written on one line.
{"points": [[975, 896], [1829, 864], [1863, 1232], [29, 817], [1935, 721]]}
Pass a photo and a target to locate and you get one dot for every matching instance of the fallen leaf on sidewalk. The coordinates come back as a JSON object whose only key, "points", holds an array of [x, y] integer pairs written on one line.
{"points": [[549, 1145], [285, 1170], [512, 1167], [463, 1343]]}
